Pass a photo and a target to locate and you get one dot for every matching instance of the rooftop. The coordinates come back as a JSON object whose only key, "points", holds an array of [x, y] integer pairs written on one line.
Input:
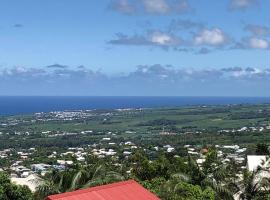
{"points": [[254, 161], [125, 190]]}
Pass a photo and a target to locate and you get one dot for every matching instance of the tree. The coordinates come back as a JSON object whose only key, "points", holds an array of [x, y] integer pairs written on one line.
{"points": [[262, 149], [162, 167], [193, 192], [76, 178], [178, 189], [154, 184], [211, 161], [254, 186], [143, 169], [211, 175], [10, 191]]}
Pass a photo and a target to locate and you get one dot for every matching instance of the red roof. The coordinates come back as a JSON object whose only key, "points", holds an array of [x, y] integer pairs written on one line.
{"points": [[125, 190]]}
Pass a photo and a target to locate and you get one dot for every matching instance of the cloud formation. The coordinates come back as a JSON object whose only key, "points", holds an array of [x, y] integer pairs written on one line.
{"points": [[258, 38], [184, 25], [200, 36], [152, 38], [257, 30], [242, 4], [165, 6], [252, 43], [258, 43], [212, 37], [123, 6], [152, 7], [185, 35], [166, 79]]}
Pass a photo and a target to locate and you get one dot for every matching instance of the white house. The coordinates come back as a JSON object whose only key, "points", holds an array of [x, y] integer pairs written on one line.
{"points": [[254, 161]]}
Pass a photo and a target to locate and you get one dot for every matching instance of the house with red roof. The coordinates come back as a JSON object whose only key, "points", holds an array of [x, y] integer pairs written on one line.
{"points": [[125, 190]]}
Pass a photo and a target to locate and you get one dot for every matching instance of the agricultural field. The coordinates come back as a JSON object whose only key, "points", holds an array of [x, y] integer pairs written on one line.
{"points": [[241, 124]]}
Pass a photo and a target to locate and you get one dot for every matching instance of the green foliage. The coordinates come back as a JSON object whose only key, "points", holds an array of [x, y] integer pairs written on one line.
{"points": [[167, 176], [147, 124], [211, 161], [193, 192], [196, 174], [255, 188], [75, 178], [161, 167], [10, 191], [174, 190], [262, 149], [154, 184]]}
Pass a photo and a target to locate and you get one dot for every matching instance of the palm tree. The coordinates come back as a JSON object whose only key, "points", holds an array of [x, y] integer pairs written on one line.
{"points": [[254, 186], [100, 176], [76, 178], [47, 188], [204, 178], [180, 188]]}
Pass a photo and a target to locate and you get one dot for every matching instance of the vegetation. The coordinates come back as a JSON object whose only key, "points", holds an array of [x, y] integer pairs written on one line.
{"points": [[254, 187], [75, 178], [200, 125], [171, 176], [10, 191]]}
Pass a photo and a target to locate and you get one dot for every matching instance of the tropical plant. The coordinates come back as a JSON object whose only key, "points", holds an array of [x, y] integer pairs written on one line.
{"points": [[178, 188], [212, 175], [262, 149], [75, 178], [255, 186]]}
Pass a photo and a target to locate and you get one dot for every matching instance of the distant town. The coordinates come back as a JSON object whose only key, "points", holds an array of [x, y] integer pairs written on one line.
{"points": [[32, 146]]}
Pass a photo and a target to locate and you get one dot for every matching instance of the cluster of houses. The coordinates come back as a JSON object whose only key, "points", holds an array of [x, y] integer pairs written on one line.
{"points": [[238, 154], [21, 173], [108, 146], [246, 129], [70, 115], [225, 153], [32, 175]]}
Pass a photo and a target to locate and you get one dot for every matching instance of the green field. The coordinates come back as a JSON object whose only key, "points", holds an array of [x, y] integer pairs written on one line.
{"points": [[196, 125]]}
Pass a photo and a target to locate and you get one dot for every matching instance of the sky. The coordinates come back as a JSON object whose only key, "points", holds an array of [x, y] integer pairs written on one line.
{"points": [[135, 47]]}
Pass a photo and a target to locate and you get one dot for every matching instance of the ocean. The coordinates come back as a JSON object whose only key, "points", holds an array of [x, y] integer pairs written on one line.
{"points": [[13, 105]]}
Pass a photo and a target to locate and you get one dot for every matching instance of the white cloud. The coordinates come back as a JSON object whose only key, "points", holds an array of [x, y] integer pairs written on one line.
{"points": [[153, 7], [213, 37], [257, 43], [163, 39], [165, 78], [156, 6], [165, 6], [152, 38], [123, 6]]}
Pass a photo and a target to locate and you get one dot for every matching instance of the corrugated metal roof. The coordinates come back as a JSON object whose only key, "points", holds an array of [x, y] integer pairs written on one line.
{"points": [[125, 190], [254, 161]]}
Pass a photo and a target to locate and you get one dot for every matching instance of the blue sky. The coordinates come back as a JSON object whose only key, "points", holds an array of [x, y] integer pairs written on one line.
{"points": [[135, 47]]}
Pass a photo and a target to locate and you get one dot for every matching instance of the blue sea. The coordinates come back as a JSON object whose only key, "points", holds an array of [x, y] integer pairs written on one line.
{"points": [[26, 105]]}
